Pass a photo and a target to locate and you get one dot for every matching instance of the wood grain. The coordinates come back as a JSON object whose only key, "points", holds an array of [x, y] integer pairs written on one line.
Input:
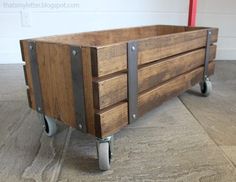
{"points": [[28, 77], [157, 96], [88, 88], [113, 36], [164, 53], [112, 119], [113, 58], [114, 89], [56, 81]]}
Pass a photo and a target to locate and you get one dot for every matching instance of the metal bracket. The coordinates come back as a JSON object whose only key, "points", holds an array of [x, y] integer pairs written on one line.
{"points": [[35, 76], [78, 87], [207, 54], [132, 81]]}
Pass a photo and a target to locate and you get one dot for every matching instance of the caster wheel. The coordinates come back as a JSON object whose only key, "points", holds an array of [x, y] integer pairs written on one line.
{"points": [[206, 88], [104, 152], [49, 125], [104, 156]]}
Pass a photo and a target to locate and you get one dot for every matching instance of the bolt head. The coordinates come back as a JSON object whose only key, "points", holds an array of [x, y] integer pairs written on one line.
{"points": [[74, 52], [134, 116], [31, 47], [80, 126], [209, 33], [133, 48]]}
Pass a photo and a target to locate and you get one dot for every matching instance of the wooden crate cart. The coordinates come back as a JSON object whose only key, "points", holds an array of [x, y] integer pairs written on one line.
{"points": [[99, 82]]}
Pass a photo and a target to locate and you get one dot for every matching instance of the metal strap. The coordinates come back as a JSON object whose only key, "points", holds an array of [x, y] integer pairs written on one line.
{"points": [[207, 54], [78, 87], [132, 81], [35, 77]]}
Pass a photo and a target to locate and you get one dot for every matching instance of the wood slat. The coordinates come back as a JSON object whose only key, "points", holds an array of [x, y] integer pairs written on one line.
{"points": [[113, 58], [88, 88], [114, 89], [157, 73], [111, 120], [28, 77], [54, 64], [157, 96], [114, 36]]}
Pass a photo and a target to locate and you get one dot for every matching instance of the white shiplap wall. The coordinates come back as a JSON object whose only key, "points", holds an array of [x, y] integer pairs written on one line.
{"points": [[107, 14], [221, 14]]}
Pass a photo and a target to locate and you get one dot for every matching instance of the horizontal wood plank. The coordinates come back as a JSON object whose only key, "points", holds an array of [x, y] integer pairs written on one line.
{"points": [[113, 58], [157, 96], [114, 36], [114, 89], [113, 119]]}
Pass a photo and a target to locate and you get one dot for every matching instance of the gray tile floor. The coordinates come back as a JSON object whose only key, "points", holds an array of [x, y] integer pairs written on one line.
{"points": [[189, 138]]}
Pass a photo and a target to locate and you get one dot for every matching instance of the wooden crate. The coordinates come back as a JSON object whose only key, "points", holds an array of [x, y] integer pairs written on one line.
{"points": [[170, 60]]}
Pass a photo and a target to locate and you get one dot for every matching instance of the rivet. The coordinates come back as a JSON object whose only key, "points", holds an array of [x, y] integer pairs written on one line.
{"points": [[134, 116], [133, 48], [31, 47], [74, 52], [209, 33]]}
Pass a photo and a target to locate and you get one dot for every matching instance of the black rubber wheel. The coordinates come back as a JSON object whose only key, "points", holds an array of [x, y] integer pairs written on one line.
{"points": [[206, 88]]}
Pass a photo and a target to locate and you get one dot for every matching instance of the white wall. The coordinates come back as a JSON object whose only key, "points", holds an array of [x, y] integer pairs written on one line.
{"points": [[221, 14], [19, 23], [21, 20]]}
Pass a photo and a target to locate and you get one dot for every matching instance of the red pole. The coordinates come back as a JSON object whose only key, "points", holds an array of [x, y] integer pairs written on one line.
{"points": [[192, 13]]}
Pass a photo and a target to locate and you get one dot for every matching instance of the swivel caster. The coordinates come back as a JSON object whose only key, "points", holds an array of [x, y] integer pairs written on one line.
{"points": [[104, 152], [206, 87], [49, 125]]}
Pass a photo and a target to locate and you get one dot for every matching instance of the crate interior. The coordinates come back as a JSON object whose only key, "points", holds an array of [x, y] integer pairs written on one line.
{"points": [[103, 38]]}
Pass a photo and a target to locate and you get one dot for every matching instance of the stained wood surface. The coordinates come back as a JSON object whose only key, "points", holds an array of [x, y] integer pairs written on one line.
{"points": [[113, 36], [155, 42], [113, 58], [88, 88], [112, 120], [106, 121], [27, 72], [155, 97], [104, 56], [111, 90], [56, 84]]}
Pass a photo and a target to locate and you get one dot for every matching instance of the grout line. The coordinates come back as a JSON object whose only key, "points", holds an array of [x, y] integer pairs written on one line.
{"points": [[218, 146], [57, 172]]}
